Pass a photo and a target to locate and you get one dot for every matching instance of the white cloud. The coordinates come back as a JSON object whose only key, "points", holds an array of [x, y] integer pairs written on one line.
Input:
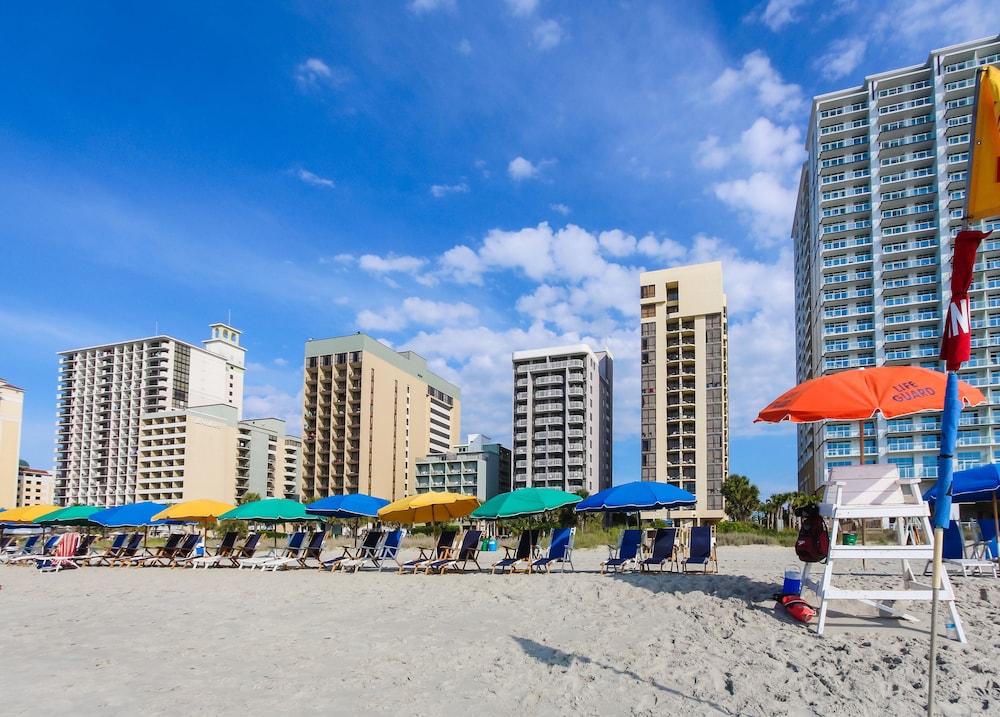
{"points": [[779, 13], [520, 168], [310, 178], [766, 145], [547, 34], [765, 203], [617, 243], [757, 77], [420, 6], [392, 263], [422, 312], [844, 57], [443, 190], [314, 73], [522, 8], [560, 208], [269, 401], [711, 155]]}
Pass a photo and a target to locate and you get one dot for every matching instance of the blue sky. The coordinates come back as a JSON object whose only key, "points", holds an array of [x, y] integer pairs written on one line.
{"points": [[461, 178]]}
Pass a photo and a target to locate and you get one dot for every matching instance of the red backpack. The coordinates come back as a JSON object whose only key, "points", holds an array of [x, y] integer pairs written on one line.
{"points": [[813, 543]]}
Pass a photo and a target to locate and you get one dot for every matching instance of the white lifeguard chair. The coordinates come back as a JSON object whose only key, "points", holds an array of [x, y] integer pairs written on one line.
{"points": [[869, 492]]}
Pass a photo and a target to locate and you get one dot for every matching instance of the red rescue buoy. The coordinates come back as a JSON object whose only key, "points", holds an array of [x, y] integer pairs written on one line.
{"points": [[798, 608]]}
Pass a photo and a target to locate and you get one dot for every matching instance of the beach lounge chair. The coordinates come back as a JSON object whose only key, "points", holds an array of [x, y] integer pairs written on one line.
{"points": [[8, 545], [701, 549], [445, 541], [954, 552], [986, 543], [29, 547], [290, 555], [48, 548], [225, 548], [83, 552], [628, 552], [62, 555], [313, 549], [161, 556], [131, 549], [246, 552], [369, 543], [664, 551], [112, 551], [387, 549], [560, 550], [522, 553], [466, 552]]}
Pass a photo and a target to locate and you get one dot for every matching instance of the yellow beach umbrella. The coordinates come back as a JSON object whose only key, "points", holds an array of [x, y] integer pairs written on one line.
{"points": [[198, 510], [27, 513], [432, 507]]}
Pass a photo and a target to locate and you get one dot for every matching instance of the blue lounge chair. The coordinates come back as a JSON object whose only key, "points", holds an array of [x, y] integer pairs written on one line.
{"points": [[445, 542], [372, 541], [560, 550], [47, 550], [225, 548], [987, 543], [627, 553], [953, 553], [386, 550], [664, 550], [523, 553], [247, 552], [701, 549], [11, 551], [62, 555], [163, 555], [466, 552], [313, 549], [290, 556]]}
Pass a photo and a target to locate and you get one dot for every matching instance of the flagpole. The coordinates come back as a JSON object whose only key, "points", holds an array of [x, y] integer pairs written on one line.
{"points": [[942, 505]]}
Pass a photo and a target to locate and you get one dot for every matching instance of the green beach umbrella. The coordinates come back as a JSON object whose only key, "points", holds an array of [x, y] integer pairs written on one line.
{"points": [[73, 515], [270, 510], [524, 501]]}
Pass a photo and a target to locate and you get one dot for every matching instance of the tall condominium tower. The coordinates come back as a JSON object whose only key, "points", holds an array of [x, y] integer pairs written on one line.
{"points": [[11, 404], [684, 383], [368, 414], [880, 200], [562, 418], [104, 391]]}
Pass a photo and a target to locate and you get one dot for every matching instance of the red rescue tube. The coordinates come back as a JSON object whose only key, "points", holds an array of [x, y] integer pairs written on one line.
{"points": [[798, 608]]}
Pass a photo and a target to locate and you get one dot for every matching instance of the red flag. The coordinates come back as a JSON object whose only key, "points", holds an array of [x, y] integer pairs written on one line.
{"points": [[956, 343]]}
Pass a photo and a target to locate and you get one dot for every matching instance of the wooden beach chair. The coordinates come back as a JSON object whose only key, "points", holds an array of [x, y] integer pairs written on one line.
{"points": [[387, 549], [522, 553], [62, 555], [466, 552], [445, 542], [372, 540], [664, 551], [289, 556]]}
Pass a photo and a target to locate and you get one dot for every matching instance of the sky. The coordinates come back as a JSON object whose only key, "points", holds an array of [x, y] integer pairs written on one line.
{"points": [[459, 178]]}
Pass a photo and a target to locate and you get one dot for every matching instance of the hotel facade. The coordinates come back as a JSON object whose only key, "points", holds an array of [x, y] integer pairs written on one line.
{"points": [[105, 392], [563, 399], [684, 384], [880, 199], [368, 413], [11, 410]]}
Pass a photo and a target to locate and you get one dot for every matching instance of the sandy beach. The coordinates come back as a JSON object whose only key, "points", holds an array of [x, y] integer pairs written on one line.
{"points": [[231, 642]]}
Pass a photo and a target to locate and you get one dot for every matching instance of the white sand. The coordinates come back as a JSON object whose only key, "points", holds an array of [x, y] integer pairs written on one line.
{"points": [[229, 642]]}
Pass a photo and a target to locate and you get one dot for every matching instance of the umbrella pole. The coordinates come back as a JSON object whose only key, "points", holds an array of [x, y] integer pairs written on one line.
{"points": [[996, 525]]}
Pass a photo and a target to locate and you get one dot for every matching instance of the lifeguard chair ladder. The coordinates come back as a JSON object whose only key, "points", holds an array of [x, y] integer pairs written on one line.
{"points": [[876, 491]]}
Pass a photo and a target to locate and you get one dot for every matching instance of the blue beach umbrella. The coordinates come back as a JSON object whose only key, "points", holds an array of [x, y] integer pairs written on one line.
{"points": [[637, 496], [352, 505], [133, 515]]}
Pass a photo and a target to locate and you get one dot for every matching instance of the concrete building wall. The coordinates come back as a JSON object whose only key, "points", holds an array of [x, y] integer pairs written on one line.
{"points": [[11, 408]]}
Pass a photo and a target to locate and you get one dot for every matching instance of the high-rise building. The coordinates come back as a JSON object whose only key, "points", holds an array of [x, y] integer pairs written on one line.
{"points": [[881, 197], [205, 452], [34, 486], [11, 405], [105, 391], [368, 413], [563, 418], [480, 467], [684, 384]]}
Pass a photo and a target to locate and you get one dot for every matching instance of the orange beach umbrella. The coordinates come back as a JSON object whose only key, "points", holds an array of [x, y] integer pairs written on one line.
{"points": [[861, 393]]}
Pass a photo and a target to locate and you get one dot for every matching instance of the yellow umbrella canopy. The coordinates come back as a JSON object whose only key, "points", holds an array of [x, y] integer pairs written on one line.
{"points": [[430, 507], [200, 510], [27, 513]]}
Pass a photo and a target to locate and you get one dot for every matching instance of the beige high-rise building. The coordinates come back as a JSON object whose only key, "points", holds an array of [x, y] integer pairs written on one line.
{"points": [[11, 404], [104, 391], [368, 413], [206, 452], [684, 380]]}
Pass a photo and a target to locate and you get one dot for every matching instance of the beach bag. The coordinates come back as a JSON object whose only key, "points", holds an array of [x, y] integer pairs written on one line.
{"points": [[813, 543]]}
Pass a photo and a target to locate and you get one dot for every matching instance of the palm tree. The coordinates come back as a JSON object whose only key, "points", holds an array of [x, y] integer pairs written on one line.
{"points": [[742, 497]]}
